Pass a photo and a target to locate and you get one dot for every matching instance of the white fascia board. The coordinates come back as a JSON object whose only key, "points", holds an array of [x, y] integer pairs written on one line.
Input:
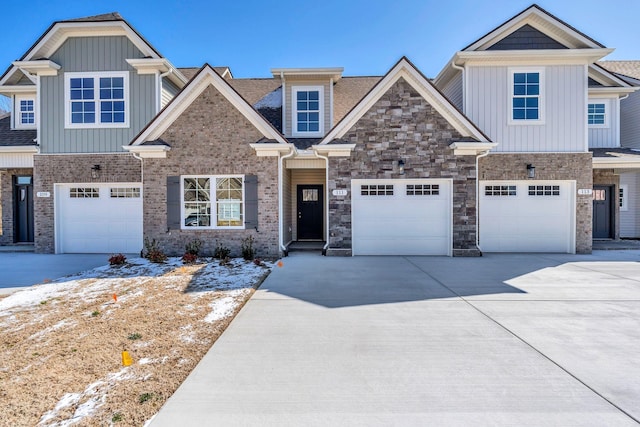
{"points": [[272, 149], [17, 89], [605, 77], [334, 73], [466, 148], [425, 89], [154, 65], [179, 104], [532, 57], [334, 150], [606, 92], [615, 162], [19, 149], [148, 151], [41, 68]]}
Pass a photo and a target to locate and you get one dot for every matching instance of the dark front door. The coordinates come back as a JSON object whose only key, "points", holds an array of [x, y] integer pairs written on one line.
{"points": [[309, 212], [23, 209], [603, 211]]}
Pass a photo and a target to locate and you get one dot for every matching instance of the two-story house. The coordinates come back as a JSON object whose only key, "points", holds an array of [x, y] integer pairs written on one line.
{"points": [[492, 155]]}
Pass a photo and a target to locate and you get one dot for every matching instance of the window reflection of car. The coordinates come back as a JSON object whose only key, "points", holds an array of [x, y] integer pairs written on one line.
{"points": [[192, 221]]}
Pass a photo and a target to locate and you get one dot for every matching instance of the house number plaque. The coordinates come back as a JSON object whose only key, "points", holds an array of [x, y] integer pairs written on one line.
{"points": [[339, 192], [43, 194]]}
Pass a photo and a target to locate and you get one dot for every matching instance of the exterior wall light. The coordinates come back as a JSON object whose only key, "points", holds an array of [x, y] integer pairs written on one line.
{"points": [[95, 171], [531, 171], [401, 167]]}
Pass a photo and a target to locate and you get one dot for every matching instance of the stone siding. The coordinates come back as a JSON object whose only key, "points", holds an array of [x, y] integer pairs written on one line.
{"points": [[608, 177], [403, 125], [6, 203], [211, 138], [549, 166], [60, 169]]}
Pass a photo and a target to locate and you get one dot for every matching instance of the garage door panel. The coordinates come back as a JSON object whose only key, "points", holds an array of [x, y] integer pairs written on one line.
{"points": [[102, 224], [527, 223], [402, 223]]}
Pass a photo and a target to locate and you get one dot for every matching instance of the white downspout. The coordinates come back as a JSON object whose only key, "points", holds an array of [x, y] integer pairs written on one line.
{"points": [[284, 104], [486, 153], [326, 186], [281, 197], [159, 95], [464, 85]]}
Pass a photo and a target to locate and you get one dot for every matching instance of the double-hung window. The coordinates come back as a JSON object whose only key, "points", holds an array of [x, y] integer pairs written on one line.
{"points": [[527, 100], [597, 114], [212, 202], [307, 114], [97, 100], [25, 107]]}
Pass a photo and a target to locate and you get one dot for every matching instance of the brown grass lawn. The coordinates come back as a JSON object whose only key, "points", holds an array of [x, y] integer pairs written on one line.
{"points": [[61, 342]]}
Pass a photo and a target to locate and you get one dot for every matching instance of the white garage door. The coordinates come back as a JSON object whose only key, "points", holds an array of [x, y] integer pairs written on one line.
{"points": [[401, 217], [99, 218], [527, 216]]}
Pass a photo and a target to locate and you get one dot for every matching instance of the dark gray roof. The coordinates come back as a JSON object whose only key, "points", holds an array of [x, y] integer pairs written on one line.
{"points": [[112, 16], [619, 152], [156, 142], [304, 143], [15, 138]]}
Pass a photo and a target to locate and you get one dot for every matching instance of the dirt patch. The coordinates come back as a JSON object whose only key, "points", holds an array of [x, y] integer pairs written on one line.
{"points": [[61, 346]]}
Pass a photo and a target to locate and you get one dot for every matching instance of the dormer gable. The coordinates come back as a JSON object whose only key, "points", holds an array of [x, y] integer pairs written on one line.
{"points": [[307, 100]]}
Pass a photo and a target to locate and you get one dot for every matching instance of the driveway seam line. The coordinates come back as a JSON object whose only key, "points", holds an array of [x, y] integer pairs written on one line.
{"points": [[523, 341]]}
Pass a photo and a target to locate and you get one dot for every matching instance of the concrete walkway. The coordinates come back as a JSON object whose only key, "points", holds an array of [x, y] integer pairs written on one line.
{"points": [[502, 340], [22, 269]]}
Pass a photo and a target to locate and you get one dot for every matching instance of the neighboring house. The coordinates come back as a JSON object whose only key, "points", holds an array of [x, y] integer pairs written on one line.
{"points": [[492, 155]]}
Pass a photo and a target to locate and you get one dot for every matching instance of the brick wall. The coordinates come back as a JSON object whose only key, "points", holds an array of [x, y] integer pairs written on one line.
{"points": [[6, 202], [211, 138], [402, 125], [608, 177], [60, 169], [549, 166]]}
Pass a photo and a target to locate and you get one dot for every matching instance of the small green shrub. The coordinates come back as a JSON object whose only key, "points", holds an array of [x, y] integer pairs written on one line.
{"points": [[189, 258], [117, 259], [117, 417], [134, 336], [248, 253], [221, 252], [153, 251], [95, 313], [193, 247], [145, 397]]}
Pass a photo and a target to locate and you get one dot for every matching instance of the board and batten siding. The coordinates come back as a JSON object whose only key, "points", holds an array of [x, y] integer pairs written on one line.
{"points": [[453, 91], [169, 91], [629, 226], [605, 137], [564, 130], [288, 119], [301, 177], [94, 54], [630, 120]]}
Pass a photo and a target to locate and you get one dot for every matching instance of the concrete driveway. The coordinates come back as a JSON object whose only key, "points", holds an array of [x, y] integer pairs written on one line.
{"points": [[502, 340], [20, 269]]}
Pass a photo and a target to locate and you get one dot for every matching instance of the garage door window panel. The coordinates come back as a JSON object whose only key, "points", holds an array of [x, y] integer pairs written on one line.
{"points": [[500, 190], [124, 192], [544, 190], [84, 193], [376, 190], [423, 189]]}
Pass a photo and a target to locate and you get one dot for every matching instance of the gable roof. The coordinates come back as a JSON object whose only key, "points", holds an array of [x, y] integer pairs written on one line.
{"points": [[205, 77], [14, 137], [406, 70], [539, 19], [627, 68]]}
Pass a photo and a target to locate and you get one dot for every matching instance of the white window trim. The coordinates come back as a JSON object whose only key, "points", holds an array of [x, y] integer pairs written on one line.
{"points": [[214, 213], [18, 114], [607, 111], [625, 197], [294, 111], [541, 96], [96, 76]]}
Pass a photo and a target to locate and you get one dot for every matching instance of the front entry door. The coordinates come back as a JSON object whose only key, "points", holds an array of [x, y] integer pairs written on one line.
{"points": [[602, 211], [310, 212], [23, 209]]}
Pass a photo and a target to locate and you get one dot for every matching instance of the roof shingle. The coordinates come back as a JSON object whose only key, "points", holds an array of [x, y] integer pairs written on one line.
{"points": [[15, 138]]}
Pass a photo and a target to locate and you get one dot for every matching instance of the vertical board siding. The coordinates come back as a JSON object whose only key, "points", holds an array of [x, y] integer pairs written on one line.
{"points": [[169, 91], [629, 226], [94, 54], [606, 137], [307, 176], [630, 121], [287, 125], [453, 91], [564, 129]]}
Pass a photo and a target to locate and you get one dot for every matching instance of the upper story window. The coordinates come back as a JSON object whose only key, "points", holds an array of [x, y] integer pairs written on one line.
{"points": [[96, 100], [597, 114], [307, 111], [25, 112], [527, 101]]}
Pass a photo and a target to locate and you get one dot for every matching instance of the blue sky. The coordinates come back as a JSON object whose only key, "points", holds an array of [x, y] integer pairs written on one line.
{"points": [[366, 37]]}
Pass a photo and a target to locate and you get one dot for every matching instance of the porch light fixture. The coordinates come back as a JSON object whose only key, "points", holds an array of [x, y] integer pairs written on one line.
{"points": [[401, 167], [531, 171], [95, 169]]}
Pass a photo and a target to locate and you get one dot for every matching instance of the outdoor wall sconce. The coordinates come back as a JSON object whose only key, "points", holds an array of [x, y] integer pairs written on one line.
{"points": [[531, 171], [401, 167], [95, 171]]}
